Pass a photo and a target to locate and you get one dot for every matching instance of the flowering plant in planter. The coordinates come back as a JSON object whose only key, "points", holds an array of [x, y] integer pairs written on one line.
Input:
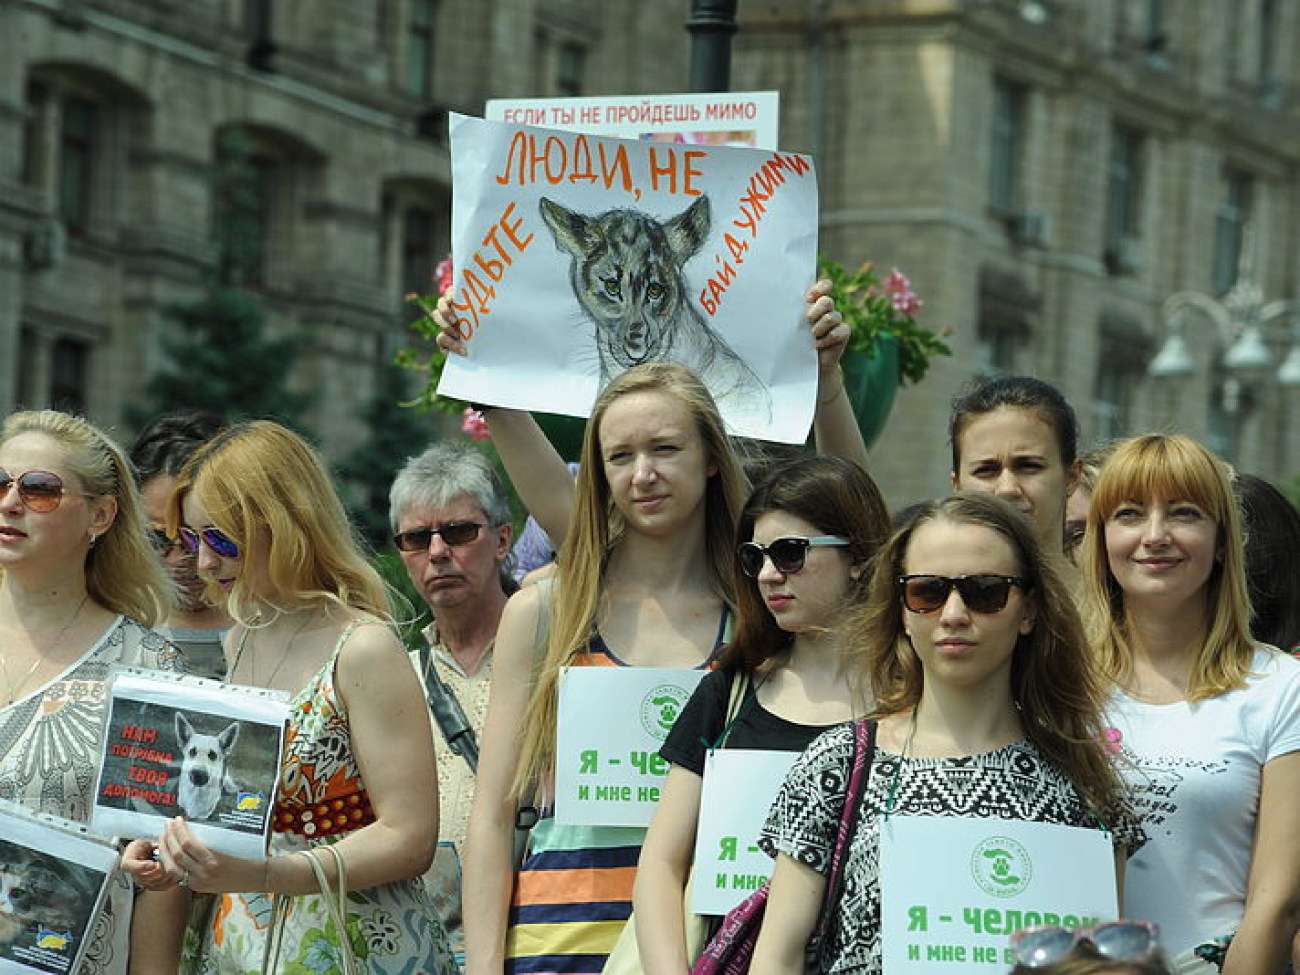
{"points": [[877, 312], [472, 423], [875, 309]]}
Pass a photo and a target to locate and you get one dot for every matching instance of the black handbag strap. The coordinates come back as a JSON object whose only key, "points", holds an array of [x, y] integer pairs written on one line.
{"points": [[445, 706], [864, 750]]}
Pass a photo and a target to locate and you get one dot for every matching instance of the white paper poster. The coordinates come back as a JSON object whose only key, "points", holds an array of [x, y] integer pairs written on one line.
{"points": [[612, 722], [183, 746], [55, 877], [954, 889], [578, 256], [726, 118], [739, 786]]}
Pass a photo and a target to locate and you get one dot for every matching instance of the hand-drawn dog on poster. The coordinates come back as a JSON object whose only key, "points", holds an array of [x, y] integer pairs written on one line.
{"points": [[578, 257], [628, 274]]}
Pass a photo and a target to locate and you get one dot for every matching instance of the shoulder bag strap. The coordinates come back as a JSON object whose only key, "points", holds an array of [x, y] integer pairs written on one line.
{"points": [[445, 706], [864, 747]]}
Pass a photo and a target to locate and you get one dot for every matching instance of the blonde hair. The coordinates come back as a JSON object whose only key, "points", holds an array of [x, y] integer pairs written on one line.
{"points": [[268, 490], [597, 528], [1171, 468], [123, 572], [1053, 682]]}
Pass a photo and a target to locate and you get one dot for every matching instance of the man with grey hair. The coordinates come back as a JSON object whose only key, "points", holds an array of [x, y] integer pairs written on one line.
{"points": [[452, 525]]}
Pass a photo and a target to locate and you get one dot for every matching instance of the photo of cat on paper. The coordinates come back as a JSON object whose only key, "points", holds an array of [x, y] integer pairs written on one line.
{"points": [[578, 257]]}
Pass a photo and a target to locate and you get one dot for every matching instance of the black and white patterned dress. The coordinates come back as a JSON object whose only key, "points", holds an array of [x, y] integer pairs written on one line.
{"points": [[1014, 782]]}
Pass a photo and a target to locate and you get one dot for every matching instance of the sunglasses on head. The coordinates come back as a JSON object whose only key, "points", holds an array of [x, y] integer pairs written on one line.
{"points": [[453, 533], [787, 554], [213, 538], [980, 593], [1116, 940], [40, 491]]}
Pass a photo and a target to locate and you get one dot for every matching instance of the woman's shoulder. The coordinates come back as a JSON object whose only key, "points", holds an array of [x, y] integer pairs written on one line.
{"points": [[363, 635], [142, 645], [834, 744], [1269, 662]]}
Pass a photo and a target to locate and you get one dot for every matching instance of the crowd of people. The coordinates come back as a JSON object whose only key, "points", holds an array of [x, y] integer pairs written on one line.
{"points": [[1096, 643]]}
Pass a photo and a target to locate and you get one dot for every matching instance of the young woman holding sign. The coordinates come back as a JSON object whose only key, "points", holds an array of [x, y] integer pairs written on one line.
{"points": [[987, 708], [642, 580], [810, 527], [357, 801], [1208, 719], [645, 579]]}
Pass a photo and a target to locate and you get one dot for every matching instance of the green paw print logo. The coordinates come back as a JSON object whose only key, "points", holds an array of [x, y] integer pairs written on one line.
{"points": [[660, 707], [1001, 866]]}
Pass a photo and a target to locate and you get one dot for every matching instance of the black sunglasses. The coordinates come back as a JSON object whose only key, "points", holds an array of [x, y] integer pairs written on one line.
{"points": [[787, 554], [1040, 947], [213, 538], [981, 593], [40, 491], [453, 533]]}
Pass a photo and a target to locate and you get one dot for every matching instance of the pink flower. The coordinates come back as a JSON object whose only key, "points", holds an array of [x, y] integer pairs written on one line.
{"points": [[473, 424], [442, 275], [1111, 740], [900, 292]]}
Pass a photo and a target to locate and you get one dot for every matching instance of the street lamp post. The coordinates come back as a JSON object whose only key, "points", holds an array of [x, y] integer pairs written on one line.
{"points": [[712, 23], [1241, 321]]}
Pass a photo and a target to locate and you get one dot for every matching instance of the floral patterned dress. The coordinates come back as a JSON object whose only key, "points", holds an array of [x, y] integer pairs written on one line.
{"points": [[392, 928], [50, 745]]}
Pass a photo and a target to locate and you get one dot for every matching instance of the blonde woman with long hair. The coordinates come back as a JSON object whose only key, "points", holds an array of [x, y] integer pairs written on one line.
{"points": [[643, 580], [312, 619], [79, 588], [1206, 720]]}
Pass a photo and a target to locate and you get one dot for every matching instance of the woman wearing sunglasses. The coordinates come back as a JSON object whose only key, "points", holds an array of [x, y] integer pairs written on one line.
{"points": [[1207, 720], [811, 527], [79, 584], [256, 506], [974, 652]]}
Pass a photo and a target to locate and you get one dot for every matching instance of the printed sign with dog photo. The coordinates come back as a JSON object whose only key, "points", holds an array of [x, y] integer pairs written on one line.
{"points": [[53, 879], [183, 746], [578, 256]]}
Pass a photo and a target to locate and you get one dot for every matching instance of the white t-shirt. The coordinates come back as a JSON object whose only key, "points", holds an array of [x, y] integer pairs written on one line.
{"points": [[1195, 769]]}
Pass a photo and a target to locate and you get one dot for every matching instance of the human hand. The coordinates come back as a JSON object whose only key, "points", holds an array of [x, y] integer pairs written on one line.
{"points": [[450, 339], [191, 864], [830, 334], [141, 861]]}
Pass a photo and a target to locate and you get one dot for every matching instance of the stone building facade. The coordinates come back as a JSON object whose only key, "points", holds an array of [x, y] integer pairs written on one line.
{"points": [[1047, 171], [112, 113]]}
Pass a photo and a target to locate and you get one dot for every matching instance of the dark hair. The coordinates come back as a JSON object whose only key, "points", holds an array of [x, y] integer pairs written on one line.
{"points": [[1053, 680], [1020, 392], [1272, 526], [835, 495], [168, 441]]}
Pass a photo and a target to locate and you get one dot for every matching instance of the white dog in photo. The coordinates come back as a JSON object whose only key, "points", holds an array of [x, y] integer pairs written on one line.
{"points": [[204, 774]]}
